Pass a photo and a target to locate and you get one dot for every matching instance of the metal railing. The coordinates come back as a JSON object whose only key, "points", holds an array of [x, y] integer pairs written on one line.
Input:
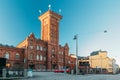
{"points": [[11, 74]]}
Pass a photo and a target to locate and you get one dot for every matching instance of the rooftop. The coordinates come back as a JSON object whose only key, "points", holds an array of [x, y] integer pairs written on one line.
{"points": [[6, 45]]}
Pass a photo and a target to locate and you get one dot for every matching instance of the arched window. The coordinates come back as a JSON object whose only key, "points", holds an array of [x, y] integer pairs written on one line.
{"points": [[37, 57], [6, 55], [17, 56]]}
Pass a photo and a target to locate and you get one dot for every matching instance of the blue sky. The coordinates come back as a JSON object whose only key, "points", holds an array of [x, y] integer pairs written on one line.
{"points": [[87, 18]]}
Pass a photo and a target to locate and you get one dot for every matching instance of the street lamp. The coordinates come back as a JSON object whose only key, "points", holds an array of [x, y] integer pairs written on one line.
{"points": [[76, 38]]}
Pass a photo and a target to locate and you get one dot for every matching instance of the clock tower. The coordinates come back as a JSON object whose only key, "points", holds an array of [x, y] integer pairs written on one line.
{"points": [[50, 34]]}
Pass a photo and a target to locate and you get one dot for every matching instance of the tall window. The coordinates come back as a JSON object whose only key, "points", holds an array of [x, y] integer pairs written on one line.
{"points": [[6, 55], [41, 48], [37, 57], [40, 57], [44, 49], [44, 58], [31, 56], [37, 47], [17, 56]]}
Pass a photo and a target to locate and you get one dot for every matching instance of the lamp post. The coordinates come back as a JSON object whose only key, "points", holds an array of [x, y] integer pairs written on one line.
{"points": [[76, 38]]}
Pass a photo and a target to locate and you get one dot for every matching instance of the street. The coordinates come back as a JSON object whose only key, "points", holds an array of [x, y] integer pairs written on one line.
{"points": [[62, 76]]}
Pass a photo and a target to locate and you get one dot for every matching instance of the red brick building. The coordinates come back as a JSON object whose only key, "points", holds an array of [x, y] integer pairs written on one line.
{"points": [[14, 56], [44, 53]]}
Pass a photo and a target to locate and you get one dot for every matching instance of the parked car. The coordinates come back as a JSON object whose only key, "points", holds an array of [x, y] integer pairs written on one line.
{"points": [[61, 71]]}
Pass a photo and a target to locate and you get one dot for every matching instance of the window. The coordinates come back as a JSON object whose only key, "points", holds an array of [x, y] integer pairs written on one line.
{"points": [[31, 40], [31, 56], [44, 66], [44, 49], [6, 55], [37, 57], [60, 60], [31, 47], [37, 47], [44, 58], [69, 62], [41, 48], [53, 51], [17, 56], [53, 55], [59, 52], [40, 57]]}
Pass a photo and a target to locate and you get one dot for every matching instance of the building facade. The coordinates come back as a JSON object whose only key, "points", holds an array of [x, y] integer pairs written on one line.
{"points": [[14, 56], [44, 53], [101, 63], [83, 65]]}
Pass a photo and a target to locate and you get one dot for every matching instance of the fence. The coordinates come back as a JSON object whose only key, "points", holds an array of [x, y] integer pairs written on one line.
{"points": [[11, 74]]}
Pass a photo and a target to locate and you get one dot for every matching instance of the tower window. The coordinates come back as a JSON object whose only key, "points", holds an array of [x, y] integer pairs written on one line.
{"points": [[31, 40]]}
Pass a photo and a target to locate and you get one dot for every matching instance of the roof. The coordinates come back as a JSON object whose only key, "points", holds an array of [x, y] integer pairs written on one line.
{"points": [[94, 53], [2, 45]]}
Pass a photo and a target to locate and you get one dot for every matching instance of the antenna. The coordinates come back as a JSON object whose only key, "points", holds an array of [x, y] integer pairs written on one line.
{"points": [[40, 12], [49, 6], [60, 11]]}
